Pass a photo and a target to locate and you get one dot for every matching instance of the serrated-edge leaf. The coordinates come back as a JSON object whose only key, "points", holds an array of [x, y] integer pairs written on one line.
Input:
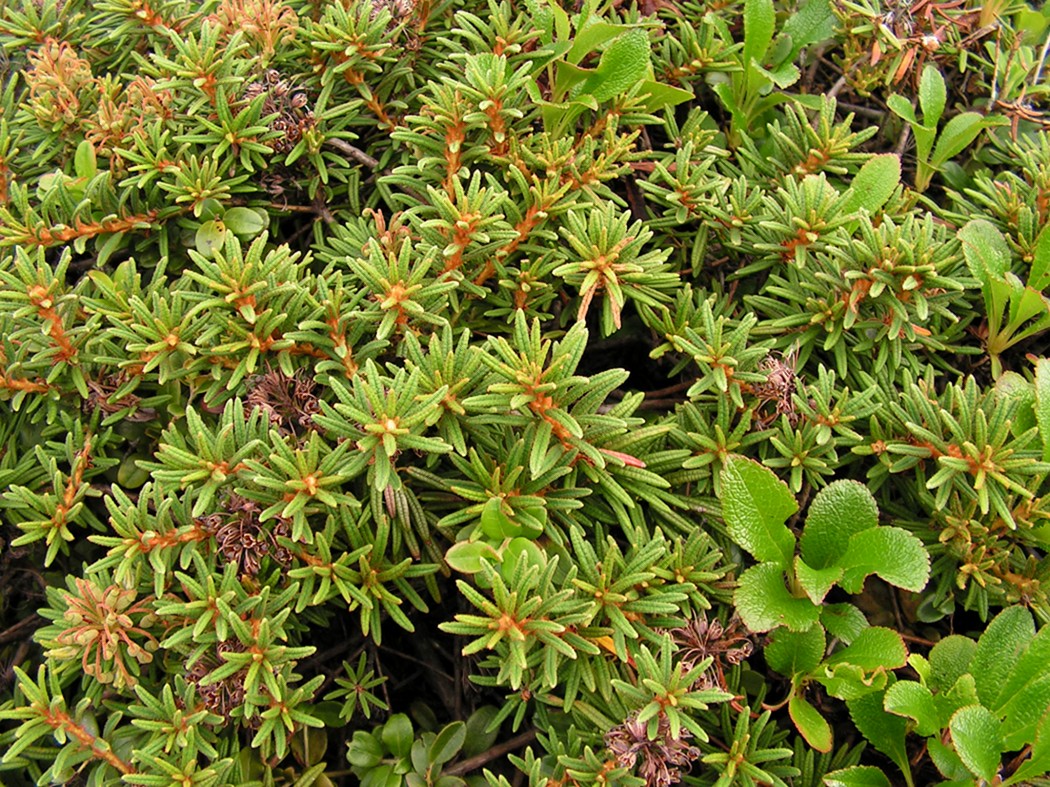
{"points": [[764, 602], [793, 652], [998, 649], [755, 506], [885, 731], [975, 735], [874, 183], [857, 776], [1042, 403], [875, 647], [985, 250], [892, 553], [839, 511], [914, 701]]}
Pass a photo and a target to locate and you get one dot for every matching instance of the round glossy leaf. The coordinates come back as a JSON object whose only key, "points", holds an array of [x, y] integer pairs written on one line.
{"points": [[210, 237]]}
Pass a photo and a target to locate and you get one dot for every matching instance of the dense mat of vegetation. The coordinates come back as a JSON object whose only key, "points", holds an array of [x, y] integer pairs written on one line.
{"points": [[434, 393]]}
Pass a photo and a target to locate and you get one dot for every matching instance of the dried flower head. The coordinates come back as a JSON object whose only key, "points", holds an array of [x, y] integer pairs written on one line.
{"points": [[779, 388], [289, 103], [101, 391], [290, 402], [658, 760], [399, 10], [220, 697], [726, 645], [241, 538]]}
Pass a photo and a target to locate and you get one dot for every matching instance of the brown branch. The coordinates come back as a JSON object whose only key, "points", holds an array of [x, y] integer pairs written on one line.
{"points": [[356, 154], [475, 762]]}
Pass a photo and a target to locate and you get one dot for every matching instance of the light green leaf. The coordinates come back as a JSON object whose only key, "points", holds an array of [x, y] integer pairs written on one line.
{"points": [[850, 681], [624, 63], [948, 763], [793, 652], [812, 23], [661, 95], [874, 184], [816, 581], [1017, 392], [884, 731], [210, 236], [975, 734], [932, 96], [894, 554], [494, 523], [957, 135], [843, 621], [839, 511], [949, 660], [1042, 403], [764, 602], [875, 647], [1039, 275], [914, 701], [465, 556], [901, 107], [244, 221], [998, 649], [759, 22], [85, 165], [1038, 762], [984, 249], [593, 37], [857, 776], [814, 727], [755, 506]]}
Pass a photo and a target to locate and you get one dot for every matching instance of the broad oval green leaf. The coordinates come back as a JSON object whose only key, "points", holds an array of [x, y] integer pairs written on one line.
{"points": [[244, 221], [465, 556], [814, 727], [398, 735], [892, 553], [1042, 403], [624, 63], [857, 776], [933, 95], [885, 731], [957, 135], [914, 701], [764, 602], [874, 184], [755, 506], [793, 652], [447, 743], [985, 250], [998, 650], [210, 237], [759, 23], [975, 734], [838, 512], [875, 647]]}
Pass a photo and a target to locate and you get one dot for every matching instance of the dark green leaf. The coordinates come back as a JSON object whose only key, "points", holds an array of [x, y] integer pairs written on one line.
{"points": [[793, 652], [998, 649]]}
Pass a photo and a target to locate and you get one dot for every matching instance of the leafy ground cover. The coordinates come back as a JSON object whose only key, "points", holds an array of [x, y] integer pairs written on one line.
{"points": [[433, 393]]}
